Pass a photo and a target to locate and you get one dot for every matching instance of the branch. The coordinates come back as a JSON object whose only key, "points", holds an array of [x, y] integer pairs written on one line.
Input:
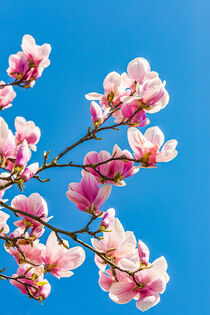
{"points": [[73, 236]]}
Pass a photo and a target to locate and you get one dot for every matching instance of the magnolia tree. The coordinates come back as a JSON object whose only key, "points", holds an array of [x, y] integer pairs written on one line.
{"points": [[125, 270]]}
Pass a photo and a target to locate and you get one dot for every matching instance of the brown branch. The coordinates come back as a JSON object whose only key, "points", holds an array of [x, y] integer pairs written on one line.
{"points": [[73, 236]]}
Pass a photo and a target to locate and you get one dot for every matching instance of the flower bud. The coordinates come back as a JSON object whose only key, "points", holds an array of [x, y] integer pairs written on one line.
{"points": [[143, 252], [23, 155], [107, 219]]}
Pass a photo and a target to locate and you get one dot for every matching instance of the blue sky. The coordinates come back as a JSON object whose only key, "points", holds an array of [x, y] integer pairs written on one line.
{"points": [[166, 207]]}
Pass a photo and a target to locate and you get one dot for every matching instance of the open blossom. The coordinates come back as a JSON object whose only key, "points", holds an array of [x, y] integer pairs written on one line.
{"points": [[26, 130], [35, 205], [154, 95], [39, 287], [115, 170], [114, 88], [116, 244], [148, 90], [97, 114], [29, 64], [146, 147], [4, 228], [151, 283], [87, 195], [7, 95], [59, 260], [133, 93]]}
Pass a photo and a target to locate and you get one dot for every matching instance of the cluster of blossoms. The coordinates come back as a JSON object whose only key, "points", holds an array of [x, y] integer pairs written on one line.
{"points": [[124, 267], [15, 150], [25, 67], [34, 258], [144, 280], [132, 94]]}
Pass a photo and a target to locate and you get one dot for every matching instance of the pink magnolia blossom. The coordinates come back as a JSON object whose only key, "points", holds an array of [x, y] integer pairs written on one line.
{"points": [[107, 219], [116, 244], [114, 88], [143, 252], [26, 130], [18, 65], [154, 95], [146, 147], [7, 95], [106, 278], [23, 155], [151, 282], [147, 89], [59, 260], [138, 69], [4, 228], [29, 171], [114, 170], [28, 65], [34, 280], [127, 111], [87, 195], [35, 205], [97, 114], [37, 55]]}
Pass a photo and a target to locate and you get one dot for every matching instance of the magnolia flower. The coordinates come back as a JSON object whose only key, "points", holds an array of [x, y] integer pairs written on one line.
{"points": [[154, 95], [114, 170], [39, 287], [23, 155], [138, 69], [114, 88], [34, 204], [7, 95], [107, 278], [36, 54], [151, 282], [87, 195], [28, 65], [116, 244], [59, 260], [26, 130], [4, 228], [97, 114], [18, 65], [126, 113], [107, 219], [147, 88], [143, 252], [146, 147]]}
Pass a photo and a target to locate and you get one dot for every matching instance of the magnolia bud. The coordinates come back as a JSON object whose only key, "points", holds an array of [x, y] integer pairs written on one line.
{"points": [[107, 219], [23, 155]]}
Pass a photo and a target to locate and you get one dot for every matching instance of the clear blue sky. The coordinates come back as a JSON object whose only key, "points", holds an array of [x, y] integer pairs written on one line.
{"points": [[167, 207]]}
